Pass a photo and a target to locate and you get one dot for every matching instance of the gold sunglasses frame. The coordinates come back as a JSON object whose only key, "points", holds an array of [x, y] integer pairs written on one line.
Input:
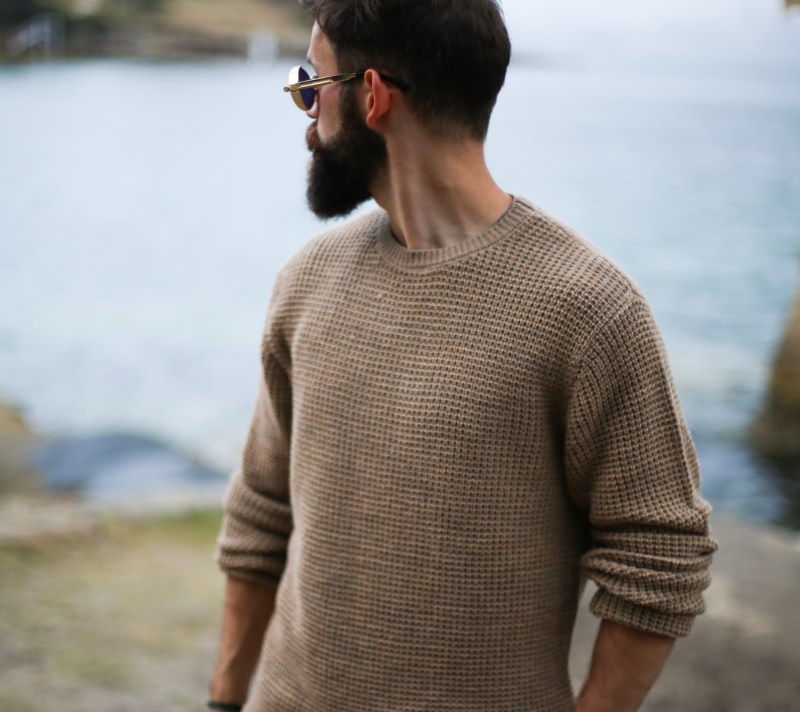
{"points": [[314, 83], [294, 87]]}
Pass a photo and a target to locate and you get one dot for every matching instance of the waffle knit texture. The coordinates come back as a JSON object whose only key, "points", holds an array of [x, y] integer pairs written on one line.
{"points": [[445, 443]]}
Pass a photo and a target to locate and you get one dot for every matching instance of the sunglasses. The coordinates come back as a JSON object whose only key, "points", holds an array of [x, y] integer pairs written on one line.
{"points": [[304, 87]]}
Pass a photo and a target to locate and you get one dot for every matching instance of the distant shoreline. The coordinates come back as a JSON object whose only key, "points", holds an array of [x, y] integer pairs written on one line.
{"points": [[169, 46], [159, 29]]}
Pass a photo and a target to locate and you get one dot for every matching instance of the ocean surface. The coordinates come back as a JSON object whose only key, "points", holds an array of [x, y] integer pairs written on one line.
{"points": [[146, 207]]}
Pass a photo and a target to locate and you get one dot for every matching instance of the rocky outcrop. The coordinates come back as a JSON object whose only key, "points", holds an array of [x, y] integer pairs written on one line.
{"points": [[12, 423], [776, 430], [16, 440]]}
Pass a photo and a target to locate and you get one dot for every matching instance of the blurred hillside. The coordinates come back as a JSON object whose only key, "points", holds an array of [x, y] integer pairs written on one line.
{"points": [[30, 29]]}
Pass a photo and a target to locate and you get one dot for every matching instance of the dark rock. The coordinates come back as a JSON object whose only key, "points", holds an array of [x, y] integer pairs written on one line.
{"points": [[119, 466], [776, 430]]}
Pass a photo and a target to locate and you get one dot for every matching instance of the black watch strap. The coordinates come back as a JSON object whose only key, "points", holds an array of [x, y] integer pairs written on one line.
{"points": [[224, 706]]}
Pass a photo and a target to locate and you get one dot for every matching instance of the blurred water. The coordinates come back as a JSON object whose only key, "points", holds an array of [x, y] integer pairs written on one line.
{"points": [[146, 208]]}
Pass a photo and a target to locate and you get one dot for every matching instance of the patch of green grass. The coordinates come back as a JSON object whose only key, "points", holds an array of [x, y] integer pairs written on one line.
{"points": [[12, 703], [198, 526], [91, 667]]}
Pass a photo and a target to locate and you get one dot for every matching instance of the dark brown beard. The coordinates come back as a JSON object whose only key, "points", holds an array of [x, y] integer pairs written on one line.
{"points": [[312, 137], [341, 171]]}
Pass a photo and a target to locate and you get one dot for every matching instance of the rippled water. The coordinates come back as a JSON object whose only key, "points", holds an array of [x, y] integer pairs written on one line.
{"points": [[146, 208]]}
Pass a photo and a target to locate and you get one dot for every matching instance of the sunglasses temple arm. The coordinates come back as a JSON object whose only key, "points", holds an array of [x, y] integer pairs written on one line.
{"points": [[321, 82]]}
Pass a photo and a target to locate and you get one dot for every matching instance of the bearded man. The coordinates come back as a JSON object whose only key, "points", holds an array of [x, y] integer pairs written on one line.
{"points": [[465, 410]]}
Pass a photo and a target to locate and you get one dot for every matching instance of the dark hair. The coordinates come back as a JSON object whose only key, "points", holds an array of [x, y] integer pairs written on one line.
{"points": [[452, 53]]}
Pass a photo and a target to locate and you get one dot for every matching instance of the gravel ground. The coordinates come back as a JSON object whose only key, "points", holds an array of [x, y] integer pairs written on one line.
{"points": [[122, 618], [121, 615], [744, 653]]}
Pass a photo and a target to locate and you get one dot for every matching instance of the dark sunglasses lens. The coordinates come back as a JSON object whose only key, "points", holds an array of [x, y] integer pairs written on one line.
{"points": [[307, 95]]}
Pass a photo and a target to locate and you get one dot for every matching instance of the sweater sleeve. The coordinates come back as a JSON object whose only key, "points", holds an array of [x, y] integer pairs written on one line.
{"points": [[258, 519], [631, 466]]}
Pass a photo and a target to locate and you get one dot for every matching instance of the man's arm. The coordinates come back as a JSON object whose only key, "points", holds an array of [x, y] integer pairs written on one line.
{"points": [[248, 608], [631, 467], [625, 664]]}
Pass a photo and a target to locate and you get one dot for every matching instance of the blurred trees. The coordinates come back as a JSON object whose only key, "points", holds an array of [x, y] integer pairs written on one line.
{"points": [[153, 28], [13, 12]]}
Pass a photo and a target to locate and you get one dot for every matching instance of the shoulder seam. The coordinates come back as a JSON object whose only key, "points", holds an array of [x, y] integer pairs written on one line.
{"points": [[631, 297]]}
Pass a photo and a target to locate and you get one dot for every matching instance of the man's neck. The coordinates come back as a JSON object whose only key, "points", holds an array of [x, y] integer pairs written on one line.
{"points": [[437, 192]]}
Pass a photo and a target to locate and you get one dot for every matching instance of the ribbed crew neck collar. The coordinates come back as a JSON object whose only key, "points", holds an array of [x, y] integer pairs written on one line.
{"points": [[396, 254]]}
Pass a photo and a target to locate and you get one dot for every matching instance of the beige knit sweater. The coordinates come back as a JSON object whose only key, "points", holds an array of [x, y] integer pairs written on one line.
{"points": [[445, 442]]}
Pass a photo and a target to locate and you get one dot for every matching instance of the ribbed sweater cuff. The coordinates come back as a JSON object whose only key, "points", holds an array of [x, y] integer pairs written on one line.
{"points": [[608, 606], [252, 577], [249, 566]]}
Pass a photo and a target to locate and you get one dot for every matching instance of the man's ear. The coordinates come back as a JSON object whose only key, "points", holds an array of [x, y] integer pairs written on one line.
{"points": [[379, 98]]}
